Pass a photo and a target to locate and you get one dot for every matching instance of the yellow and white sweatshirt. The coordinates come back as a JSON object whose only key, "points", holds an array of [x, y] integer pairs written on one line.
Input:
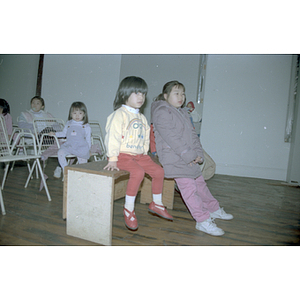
{"points": [[127, 131]]}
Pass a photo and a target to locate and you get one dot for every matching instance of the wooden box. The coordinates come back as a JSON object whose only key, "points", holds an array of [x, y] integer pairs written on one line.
{"points": [[89, 193]]}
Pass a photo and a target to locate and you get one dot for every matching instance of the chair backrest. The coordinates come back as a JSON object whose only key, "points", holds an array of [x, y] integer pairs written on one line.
{"points": [[42, 127], [96, 128], [47, 125], [99, 147], [6, 148], [23, 129], [97, 133]]}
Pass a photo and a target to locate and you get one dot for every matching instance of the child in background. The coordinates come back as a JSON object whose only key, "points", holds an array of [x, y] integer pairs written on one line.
{"points": [[5, 112], [127, 144], [179, 151], [78, 134], [37, 111], [196, 119]]}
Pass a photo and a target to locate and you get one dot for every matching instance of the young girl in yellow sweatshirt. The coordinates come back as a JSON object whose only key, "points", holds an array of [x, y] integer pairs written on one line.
{"points": [[127, 143]]}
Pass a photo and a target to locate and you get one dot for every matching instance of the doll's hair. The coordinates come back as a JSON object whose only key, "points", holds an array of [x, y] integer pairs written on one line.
{"points": [[129, 85], [192, 104], [5, 106], [168, 88], [39, 98], [79, 106]]}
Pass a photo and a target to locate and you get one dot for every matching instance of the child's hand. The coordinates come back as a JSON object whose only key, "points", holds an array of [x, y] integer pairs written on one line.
{"points": [[51, 133], [111, 166], [197, 160]]}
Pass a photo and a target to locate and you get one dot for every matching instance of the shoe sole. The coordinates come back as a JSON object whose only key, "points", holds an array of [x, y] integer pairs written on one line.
{"points": [[210, 233], [156, 213], [133, 229], [219, 218]]}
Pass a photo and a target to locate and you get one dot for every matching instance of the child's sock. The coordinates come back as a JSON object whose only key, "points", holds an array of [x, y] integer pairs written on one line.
{"points": [[129, 203], [157, 198]]}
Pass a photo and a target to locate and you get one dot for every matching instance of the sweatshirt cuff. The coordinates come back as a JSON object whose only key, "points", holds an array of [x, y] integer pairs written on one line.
{"points": [[113, 158]]}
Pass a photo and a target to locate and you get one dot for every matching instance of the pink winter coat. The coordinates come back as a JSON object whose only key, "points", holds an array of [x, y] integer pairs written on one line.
{"points": [[177, 143]]}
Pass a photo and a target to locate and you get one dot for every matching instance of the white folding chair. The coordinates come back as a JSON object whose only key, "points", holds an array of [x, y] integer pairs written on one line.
{"points": [[97, 138], [24, 144], [8, 154], [2, 204], [20, 145], [48, 146], [42, 127], [96, 127], [98, 148]]}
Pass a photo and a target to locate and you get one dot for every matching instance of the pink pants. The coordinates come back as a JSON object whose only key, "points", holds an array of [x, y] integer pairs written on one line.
{"points": [[137, 166], [197, 197]]}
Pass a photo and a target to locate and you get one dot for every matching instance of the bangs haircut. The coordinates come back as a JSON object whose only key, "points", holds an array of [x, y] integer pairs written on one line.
{"points": [[79, 106], [128, 86], [168, 88]]}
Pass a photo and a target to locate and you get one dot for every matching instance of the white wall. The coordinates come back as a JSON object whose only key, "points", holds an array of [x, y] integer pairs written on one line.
{"points": [[18, 77], [157, 70], [244, 114], [92, 79], [245, 101]]}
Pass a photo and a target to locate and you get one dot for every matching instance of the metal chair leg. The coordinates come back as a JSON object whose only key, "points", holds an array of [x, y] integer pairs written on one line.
{"points": [[2, 203]]}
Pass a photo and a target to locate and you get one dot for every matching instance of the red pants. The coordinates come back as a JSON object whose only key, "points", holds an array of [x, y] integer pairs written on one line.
{"points": [[137, 166]]}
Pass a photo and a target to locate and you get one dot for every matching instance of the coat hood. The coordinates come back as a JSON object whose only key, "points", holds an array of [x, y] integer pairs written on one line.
{"points": [[159, 104]]}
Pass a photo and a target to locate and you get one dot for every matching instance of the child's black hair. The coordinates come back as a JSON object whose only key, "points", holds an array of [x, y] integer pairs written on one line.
{"points": [[79, 106], [168, 88], [5, 106], [129, 85], [39, 98]]}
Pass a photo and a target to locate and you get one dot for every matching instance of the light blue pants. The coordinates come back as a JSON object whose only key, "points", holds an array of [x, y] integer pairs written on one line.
{"points": [[62, 153]]}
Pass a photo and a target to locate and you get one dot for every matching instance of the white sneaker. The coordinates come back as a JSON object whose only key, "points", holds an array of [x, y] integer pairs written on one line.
{"points": [[210, 227], [57, 172], [221, 214]]}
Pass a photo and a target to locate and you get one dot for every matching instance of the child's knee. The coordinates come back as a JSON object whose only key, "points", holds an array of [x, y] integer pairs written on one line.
{"points": [[60, 152], [139, 174]]}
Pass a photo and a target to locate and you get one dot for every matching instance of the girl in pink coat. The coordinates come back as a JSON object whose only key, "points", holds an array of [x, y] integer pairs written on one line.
{"points": [[180, 153]]}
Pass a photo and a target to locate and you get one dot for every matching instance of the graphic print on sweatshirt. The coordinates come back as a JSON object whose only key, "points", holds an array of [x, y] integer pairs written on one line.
{"points": [[135, 132]]}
